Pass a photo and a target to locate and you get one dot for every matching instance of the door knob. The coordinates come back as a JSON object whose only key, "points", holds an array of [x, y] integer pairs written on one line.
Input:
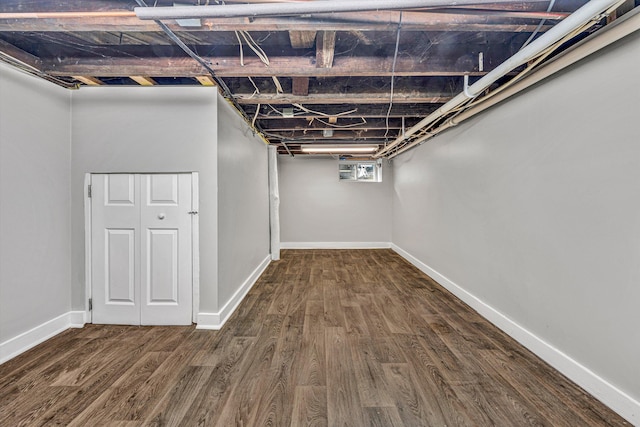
{"points": [[161, 216]]}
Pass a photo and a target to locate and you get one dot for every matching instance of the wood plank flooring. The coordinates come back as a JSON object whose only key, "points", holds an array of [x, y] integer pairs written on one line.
{"points": [[325, 338]]}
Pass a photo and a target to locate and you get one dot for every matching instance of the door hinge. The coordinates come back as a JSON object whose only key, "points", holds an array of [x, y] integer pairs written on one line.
{"points": [[90, 304], [193, 212], [89, 191]]}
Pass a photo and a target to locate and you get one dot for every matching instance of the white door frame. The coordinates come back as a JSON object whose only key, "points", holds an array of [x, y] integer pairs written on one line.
{"points": [[195, 243]]}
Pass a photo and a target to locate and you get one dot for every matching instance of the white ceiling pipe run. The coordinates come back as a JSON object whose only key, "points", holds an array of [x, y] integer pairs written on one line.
{"points": [[621, 28], [274, 203], [289, 9], [590, 11]]}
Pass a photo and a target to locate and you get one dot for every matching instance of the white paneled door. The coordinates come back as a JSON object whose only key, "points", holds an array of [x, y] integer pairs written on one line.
{"points": [[141, 252]]}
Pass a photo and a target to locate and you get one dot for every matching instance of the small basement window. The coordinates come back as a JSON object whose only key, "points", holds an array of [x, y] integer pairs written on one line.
{"points": [[359, 171]]}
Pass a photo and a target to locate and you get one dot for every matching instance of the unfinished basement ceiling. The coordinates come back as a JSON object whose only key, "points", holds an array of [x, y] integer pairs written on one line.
{"points": [[328, 78]]}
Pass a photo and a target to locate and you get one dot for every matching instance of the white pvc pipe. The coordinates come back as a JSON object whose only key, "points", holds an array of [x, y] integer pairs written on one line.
{"points": [[573, 22], [288, 9], [274, 203]]}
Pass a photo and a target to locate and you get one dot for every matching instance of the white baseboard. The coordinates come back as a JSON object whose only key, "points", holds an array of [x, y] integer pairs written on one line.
{"points": [[215, 321], [607, 393], [77, 319], [335, 245], [26, 340]]}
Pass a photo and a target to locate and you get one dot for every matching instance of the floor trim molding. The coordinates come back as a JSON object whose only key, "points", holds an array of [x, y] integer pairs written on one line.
{"points": [[26, 340], [335, 245], [606, 392], [216, 321]]}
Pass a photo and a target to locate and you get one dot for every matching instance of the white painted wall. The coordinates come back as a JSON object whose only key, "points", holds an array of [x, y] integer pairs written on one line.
{"points": [[141, 129], [50, 138], [316, 207], [534, 208], [35, 162], [243, 202]]}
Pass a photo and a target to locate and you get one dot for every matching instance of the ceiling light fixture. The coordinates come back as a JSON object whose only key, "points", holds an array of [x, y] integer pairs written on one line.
{"points": [[338, 149]]}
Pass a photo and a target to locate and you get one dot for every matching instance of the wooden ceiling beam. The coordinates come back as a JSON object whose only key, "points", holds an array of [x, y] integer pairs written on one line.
{"points": [[325, 48], [302, 39], [89, 81], [206, 80], [16, 54], [8, 6], [279, 66], [302, 124], [343, 112], [353, 129], [362, 114], [143, 80], [343, 98], [328, 141], [365, 21], [337, 134], [300, 86]]}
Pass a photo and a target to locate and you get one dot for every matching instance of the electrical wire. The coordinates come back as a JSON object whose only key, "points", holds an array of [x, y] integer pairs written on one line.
{"points": [[255, 116], [256, 91], [325, 114], [241, 50], [260, 53], [278, 85], [221, 84], [535, 32], [364, 122], [255, 47], [393, 74]]}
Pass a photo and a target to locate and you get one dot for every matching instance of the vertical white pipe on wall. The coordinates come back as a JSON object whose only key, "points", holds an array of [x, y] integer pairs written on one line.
{"points": [[274, 203]]}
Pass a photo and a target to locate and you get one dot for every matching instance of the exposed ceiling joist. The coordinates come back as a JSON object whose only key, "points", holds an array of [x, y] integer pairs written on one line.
{"points": [[494, 21], [10, 51], [302, 39], [89, 81], [325, 48], [143, 80], [288, 124], [316, 78], [300, 86], [342, 98], [206, 80], [378, 134], [279, 66], [342, 111]]}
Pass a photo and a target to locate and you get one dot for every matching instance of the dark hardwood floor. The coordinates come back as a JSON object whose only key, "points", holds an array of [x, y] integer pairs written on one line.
{"points": [[337, 338]]}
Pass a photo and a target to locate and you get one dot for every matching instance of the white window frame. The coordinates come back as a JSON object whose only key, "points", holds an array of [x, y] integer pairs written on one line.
{"points": [[377, 170]]}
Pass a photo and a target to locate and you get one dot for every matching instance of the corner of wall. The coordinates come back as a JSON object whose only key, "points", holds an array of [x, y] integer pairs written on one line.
{"points": [[39, 334], [38, 154], [70, 187], [216, 321]]}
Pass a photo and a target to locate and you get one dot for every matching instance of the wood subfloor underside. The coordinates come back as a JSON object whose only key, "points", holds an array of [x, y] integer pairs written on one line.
{"points": [[337, 338]]}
